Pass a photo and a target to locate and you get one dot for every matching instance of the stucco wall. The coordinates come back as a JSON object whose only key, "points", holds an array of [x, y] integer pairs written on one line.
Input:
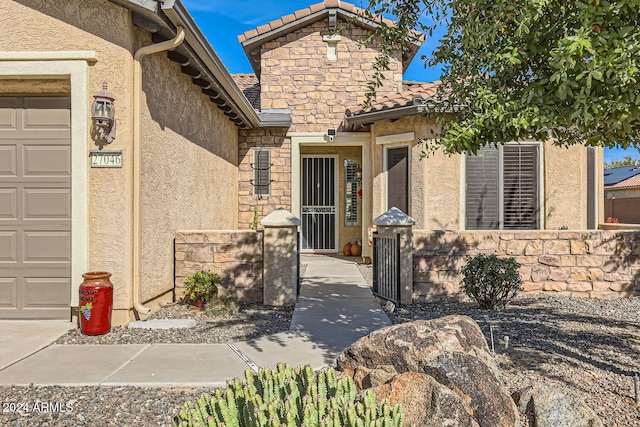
{"points": [[189, 148], [297, 75], [436, 196], [565, 185], [189, 172]]}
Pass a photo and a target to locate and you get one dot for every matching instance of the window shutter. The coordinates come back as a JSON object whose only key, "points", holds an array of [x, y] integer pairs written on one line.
{"points": [[482, 209], [262, 172], [520, 193]]}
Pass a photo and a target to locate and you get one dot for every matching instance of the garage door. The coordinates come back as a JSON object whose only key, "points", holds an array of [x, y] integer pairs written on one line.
{"points": [[35, 207]]}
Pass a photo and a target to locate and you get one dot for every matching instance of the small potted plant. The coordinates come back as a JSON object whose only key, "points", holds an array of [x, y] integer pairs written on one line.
{"points": [[200, 287]]}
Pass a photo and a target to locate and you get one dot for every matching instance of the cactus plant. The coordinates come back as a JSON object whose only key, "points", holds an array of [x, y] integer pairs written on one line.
{"points": [[289, 397]]}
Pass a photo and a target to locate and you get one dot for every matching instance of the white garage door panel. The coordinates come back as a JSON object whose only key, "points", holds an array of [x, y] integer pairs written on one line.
{"points": [[8, 292], [52, 203], [8, 203], [47, 292], [8, 246], [46, 161], [46, 246], [8, 161], [35, 208]]}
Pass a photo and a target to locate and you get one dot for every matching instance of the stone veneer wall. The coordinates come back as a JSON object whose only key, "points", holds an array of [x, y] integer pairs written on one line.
{"points": [[234, 255], [297, 75], [598, 264], [280, 147]]}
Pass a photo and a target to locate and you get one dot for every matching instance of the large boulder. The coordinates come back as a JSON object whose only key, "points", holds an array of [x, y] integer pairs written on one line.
{"points": [[555, 407], [427, 403], [452, 350]]}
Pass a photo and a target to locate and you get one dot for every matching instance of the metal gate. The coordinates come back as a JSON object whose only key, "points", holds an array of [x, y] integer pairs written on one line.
{"points": [[386, 267], [319, 231]]}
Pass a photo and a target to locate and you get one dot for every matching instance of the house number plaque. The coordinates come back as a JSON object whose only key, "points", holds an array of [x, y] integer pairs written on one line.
{"points": [[106, 158]]}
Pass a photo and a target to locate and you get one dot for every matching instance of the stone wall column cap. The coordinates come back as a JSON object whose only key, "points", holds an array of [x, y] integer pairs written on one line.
{"points": [[280, 218], [394, 216]]}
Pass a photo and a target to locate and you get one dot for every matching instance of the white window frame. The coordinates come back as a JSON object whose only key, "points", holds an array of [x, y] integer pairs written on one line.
{"points": [[541, 191]]}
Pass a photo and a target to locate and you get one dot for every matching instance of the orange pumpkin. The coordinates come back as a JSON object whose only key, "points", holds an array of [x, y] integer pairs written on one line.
{"points": [[346, 249], [356, 250]]}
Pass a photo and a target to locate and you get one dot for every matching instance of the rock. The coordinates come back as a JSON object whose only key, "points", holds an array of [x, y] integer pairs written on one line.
{"points": [[451, 349], [425, 402], [555, 407], [389, 307]]}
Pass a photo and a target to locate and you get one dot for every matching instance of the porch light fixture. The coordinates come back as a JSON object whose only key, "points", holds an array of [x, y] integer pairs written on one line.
{"points": [[103, 114]]}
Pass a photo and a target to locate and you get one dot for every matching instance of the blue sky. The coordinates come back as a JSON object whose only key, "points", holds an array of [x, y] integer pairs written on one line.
{"points": [[221, 21]]}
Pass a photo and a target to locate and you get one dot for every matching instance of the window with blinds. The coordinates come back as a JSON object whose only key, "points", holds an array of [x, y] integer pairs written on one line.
{"points": [[261, 172], [502, 187]]}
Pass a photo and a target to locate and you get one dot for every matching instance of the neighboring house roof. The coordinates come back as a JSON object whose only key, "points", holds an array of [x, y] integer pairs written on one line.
{"points": [[634, 181], [331, 9], [412, 100], [250, 86], [619, 177]]}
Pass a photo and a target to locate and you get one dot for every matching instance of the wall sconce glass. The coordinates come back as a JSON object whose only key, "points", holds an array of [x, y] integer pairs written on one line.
{"points": [[103, 114], [359, 174]]}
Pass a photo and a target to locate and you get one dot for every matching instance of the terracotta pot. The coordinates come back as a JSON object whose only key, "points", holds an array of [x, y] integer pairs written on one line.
{"points": [[356, 250], [199, 303], [346, 249]]}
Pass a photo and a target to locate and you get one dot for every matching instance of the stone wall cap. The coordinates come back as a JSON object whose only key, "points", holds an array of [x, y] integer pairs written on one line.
{"points": [[394, 216], [280, 218]]}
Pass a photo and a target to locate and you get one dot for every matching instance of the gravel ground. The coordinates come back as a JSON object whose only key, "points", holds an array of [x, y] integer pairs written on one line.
{"points": [[251, 321], [591, 346]]}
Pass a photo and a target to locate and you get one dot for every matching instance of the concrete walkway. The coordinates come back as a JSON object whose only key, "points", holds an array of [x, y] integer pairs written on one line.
{"points": [[335, 308]]}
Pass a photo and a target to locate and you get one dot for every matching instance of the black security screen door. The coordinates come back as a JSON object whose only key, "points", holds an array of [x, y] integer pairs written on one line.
{"points": [[319, 204]]}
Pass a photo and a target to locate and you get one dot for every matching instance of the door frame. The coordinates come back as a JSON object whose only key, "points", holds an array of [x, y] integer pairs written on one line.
{"points": [[72, 65], [385, 168], [336, 198]]}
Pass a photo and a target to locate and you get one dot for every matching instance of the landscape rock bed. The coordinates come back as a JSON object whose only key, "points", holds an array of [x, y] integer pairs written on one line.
{"points": [[591, 346], [252, 321]]}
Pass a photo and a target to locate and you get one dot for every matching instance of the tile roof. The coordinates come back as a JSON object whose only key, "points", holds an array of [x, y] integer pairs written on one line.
{"points": [[250, 86], [613, 176], [413, 93], [302, 13], [634, 181]]}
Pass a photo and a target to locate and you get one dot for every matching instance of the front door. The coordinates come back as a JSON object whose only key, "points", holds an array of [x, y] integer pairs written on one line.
{"points": [[319, 177]]}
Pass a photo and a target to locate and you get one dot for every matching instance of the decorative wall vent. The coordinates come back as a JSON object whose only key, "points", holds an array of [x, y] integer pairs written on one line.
{"points": [[261, 172]]}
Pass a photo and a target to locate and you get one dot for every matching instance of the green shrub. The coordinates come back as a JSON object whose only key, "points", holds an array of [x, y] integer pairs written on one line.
{"points": [[290, 397], [491, 281], [201, 286]]}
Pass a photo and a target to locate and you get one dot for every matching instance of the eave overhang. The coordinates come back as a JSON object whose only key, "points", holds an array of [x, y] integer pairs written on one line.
{"points": [[197, 59]]}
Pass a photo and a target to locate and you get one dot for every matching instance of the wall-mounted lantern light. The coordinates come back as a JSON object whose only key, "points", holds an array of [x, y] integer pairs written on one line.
{"points": [[103, 114]]}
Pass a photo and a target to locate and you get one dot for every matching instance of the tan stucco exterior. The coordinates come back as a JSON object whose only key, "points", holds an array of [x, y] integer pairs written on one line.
{"points": [[437, 181], [189, 148]]}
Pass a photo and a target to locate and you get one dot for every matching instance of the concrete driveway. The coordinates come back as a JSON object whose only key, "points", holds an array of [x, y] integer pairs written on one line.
{"points": [[22, 338]]}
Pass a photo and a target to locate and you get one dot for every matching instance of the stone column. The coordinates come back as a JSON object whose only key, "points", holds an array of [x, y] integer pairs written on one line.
{"points": [[280, 274], [392, 222]]}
